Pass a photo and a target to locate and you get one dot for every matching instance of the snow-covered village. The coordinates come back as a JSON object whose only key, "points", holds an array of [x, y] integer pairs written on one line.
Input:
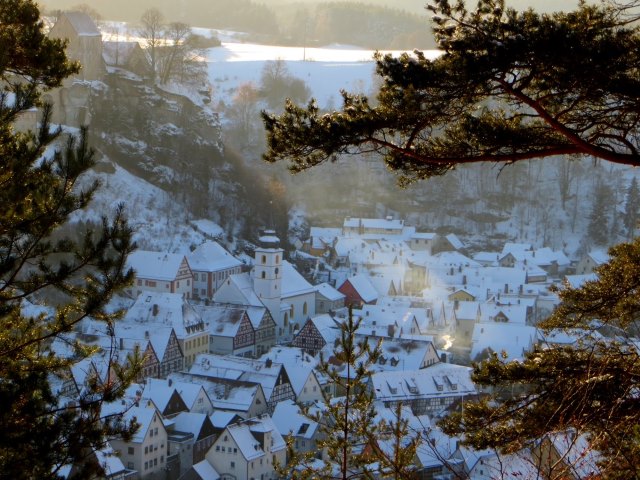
{"points": [[328, 324]]}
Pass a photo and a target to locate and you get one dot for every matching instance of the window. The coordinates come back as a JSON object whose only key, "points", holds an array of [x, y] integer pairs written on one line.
{"points": [[263, 275], [150, 432], [277, 258], [233, 464], [139, 282], [188, 282], [277, 270], [217, 448], [146, 450], [130, 465], [235, 450], [146, 465], [156, 431], [203, 277], [264, 259], [161, 458], [155, 462], [178, 284], [304, 308], [131, 451]]}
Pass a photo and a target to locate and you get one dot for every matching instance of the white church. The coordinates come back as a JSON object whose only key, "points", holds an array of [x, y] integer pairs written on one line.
{"points": [[275, 284]]}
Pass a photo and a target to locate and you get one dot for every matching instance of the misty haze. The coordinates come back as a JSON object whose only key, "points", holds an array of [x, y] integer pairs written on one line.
{"points": [[325, 313]]}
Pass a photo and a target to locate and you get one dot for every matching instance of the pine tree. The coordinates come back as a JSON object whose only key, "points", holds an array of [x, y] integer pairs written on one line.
{"points": [[632, 205], [40, 435], [511, 86], [598, 229], [590, 387], [501, 91], [348, 426]]}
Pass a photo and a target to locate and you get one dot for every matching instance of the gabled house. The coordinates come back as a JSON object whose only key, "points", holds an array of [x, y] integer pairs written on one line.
{"points": [[328, 299], [160, 272], [290, 421], [301, 371], [592, 260], [248, 450], [358, 290], [236, 397], [466, 315], [171, 310], [264, 328], [146, 451], [313, 337], [71, 100], [164, 396], [126, 55], [202, 435], [270, 375], [230, 329], [430, 390], [211, 265]]}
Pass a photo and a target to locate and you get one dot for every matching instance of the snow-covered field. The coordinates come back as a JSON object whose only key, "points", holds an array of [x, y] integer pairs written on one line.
{"points": [[325, 70]]}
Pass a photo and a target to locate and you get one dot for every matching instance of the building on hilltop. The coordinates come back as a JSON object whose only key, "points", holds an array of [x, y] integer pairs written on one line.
{"points": [[71, 100]]}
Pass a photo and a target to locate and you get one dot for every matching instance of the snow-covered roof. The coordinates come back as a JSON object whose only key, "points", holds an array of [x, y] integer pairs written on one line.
{"points": [[225, 394], [205, 470], [516, 313], [519, 248], [82, 24], [438, 380], [599, 256], [292, 282], [361, 283], [514, 339], [155, 265], [467, 310], [328, 292], [577, 281], [298, 365], [207, 227], [423, 235], [374, 223], [288, 419], [166, 309], [189, 422], [242, 286], [211, 257], [238, 368], [454, 241], [249, 446], [222, 320]]}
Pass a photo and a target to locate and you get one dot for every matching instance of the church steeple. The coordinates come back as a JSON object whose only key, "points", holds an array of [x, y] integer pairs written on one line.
{"points": [[267, 270]]}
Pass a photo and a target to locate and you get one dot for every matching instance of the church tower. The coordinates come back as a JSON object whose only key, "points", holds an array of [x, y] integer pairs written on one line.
{"points": [[267, 272]]}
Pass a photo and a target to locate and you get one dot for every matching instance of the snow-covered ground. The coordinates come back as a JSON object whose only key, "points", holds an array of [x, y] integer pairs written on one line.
{"points": [[325, 70]]}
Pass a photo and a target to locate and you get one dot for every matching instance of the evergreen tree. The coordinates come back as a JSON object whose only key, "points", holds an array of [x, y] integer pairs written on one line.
{"points": [[502, 90], [40, 435], [590, 387], [348, 429], [512, 86], [632, 205], [598, 229]]}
